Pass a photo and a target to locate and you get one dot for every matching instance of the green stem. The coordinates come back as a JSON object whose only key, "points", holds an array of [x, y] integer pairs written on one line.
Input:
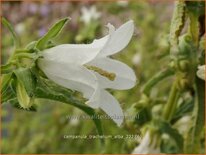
{"points": [[25, 55], [171, 103], [18, 52], [156, 79], [193, 140]]}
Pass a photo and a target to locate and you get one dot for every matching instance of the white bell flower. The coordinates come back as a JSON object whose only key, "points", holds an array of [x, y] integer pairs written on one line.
{"points": [[201, 72], [87, 68], [147, 146]]}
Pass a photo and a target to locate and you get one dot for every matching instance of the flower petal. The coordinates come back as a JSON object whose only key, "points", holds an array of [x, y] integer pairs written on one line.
{"points": [[118, 39], [111, 107], [73, 53], [125, 76], [70, 76]]}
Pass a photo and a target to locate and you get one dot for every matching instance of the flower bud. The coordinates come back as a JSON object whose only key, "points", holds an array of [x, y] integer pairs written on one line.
{"points": [[24, 100]]}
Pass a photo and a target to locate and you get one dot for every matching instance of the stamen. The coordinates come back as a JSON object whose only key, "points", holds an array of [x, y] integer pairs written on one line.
{"points": [[109, 75]]}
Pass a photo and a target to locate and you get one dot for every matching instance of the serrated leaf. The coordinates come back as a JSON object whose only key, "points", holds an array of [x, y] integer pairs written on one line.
{"points": [[52, 33], [11, 29], [48, 90], [14, 102]]}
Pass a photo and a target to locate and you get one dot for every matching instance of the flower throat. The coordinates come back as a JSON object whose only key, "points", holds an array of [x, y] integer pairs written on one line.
{"points": [[108, 75]]}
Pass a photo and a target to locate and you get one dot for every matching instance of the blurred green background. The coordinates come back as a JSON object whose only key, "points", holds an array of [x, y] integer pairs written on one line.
{"points": [[43, 131]]}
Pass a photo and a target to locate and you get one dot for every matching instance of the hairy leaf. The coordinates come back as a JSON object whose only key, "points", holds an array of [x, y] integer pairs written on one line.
{"points": [[14, 102]]}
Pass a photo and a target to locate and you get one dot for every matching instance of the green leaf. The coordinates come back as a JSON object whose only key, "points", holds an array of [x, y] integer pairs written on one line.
{"points": [[173, 133], [5, 80], [48, 90], [143, 116], [185, 108], [176, 26], [52, 33], [7, 92], [11, 29]]}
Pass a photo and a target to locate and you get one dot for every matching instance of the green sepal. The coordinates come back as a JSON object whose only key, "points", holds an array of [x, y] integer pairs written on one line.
{"points": [[27, 79], [31, 45], [14, 102], [52, 33], [23, 98]]}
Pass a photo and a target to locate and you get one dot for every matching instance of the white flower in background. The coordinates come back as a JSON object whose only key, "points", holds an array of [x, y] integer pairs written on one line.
{"points": [[89, 14], [136, 60], [87, 68], [201, 72], [147, 146], [19, 28]]}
